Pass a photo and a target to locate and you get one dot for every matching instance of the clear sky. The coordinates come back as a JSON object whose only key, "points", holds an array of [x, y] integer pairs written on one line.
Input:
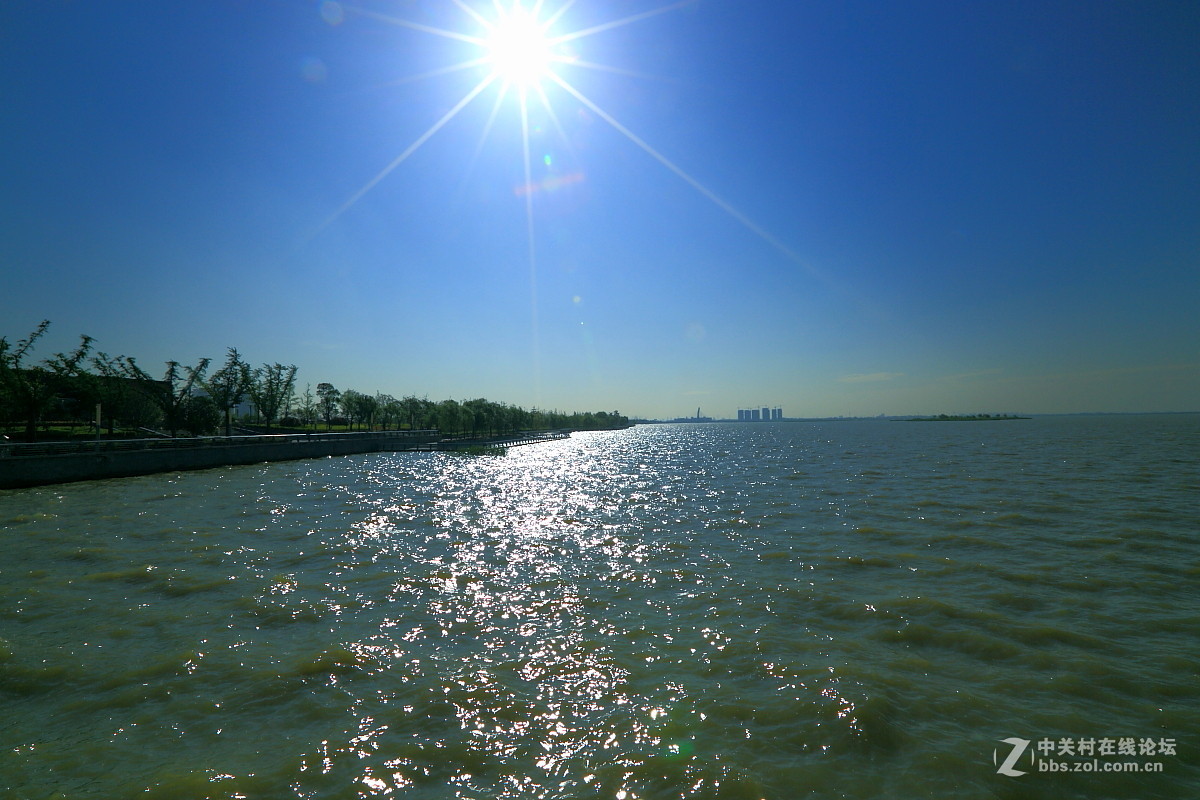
{"points": [[846, 208]]}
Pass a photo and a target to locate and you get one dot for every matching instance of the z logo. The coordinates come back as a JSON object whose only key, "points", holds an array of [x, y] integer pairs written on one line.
{"points": [[1018, 748]]}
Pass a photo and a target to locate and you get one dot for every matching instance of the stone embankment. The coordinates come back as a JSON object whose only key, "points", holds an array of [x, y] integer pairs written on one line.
{"points": [[24, 465]]}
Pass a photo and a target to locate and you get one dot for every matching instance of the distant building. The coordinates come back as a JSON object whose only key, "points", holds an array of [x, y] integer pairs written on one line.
{"points": [[243, 409], [763, 414], [697, 418]]}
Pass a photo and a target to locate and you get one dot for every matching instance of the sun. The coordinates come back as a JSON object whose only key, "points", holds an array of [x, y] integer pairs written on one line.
{"points": [[518, 49], [520, 59], [518, 52]]}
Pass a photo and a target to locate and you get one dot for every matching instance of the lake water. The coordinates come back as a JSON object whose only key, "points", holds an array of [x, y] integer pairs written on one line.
{"points": [[848, 609]]}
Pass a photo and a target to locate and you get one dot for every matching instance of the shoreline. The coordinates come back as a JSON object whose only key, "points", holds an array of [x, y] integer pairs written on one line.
{"points": [[28, 466]]}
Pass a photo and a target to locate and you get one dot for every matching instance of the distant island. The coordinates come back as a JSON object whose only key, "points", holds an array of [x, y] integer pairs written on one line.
{"points": [[963, 418]]}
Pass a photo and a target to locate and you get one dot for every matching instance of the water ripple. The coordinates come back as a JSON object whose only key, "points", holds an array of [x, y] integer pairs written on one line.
{"points": [[852, 609]]}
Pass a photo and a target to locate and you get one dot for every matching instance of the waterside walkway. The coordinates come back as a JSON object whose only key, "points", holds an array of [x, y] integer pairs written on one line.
{"points": [[43, 463]]}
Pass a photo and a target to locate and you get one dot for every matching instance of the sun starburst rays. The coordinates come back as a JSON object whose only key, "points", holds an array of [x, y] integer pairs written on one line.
{"points": [[522, 57], [408, 151], [617, 23]]}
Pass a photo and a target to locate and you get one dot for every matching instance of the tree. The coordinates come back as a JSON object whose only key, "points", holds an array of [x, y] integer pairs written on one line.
{"points": [[519, 419], [359, 408], [450, 417], [389, 410], [201, 416], [329, 397], [270, 386], [118, 395], [482, 415], [172, 393], [368, 408], [289, 401], [27, 390], [228, 386], [30, 391], [350, 406], [410, 411], [74, 387], [307, 408], [427, 413]]}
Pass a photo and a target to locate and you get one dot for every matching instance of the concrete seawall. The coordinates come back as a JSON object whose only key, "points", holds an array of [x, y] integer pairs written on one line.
{"points": [[25, 465], [39, 465]]}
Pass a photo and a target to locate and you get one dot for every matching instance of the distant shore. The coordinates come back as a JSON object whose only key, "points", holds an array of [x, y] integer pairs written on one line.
{"points": [[964, 418]]}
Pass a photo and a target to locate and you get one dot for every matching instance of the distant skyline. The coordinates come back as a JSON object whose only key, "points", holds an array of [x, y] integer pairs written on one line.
{"points": [[842, 209]]}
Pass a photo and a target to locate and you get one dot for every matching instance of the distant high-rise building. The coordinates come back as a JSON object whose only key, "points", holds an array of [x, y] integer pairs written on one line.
{"points": [[764, 414]]}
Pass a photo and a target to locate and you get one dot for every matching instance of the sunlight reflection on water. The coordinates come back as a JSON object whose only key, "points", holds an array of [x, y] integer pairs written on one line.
{"points": [[671, 612], [529, 668]]}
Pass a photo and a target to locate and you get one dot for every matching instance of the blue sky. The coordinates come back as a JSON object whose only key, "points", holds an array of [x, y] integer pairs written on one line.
{"points": [[838, 208]]}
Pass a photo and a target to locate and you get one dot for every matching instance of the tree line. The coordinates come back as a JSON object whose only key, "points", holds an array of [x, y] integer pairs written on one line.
{"points": [[67, 388]]}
